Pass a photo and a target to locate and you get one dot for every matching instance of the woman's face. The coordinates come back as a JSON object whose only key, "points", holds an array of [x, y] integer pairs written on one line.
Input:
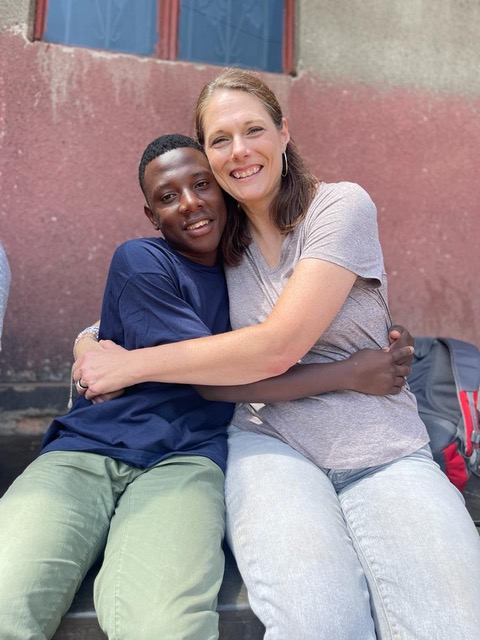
{"points": [[244, 148]]}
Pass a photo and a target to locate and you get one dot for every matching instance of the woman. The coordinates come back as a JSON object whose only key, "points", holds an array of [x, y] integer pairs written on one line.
{"points": [[342, 525]]}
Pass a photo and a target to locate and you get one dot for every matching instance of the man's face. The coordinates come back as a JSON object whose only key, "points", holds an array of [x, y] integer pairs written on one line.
{"points": [[185, 203]]}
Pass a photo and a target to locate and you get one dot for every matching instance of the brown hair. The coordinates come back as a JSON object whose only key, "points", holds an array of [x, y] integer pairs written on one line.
{"points": [[297, 188]]}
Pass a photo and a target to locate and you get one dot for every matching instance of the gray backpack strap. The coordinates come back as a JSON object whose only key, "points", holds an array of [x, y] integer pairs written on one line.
{"points": [[465, 359]]}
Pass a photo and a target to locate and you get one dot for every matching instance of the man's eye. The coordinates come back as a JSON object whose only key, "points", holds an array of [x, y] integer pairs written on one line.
{"points": [[166, 197], [202, 184]]}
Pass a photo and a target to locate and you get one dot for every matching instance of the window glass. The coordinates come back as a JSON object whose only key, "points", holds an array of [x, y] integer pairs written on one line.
{"points": [[229, 32], [116, 25]]}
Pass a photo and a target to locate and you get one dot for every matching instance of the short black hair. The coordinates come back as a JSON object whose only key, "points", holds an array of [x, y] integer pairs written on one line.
{"points": [[161, 145]]}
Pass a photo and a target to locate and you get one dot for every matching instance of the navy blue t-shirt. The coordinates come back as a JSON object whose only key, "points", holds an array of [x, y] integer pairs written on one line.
{"points": [[153, 296]]}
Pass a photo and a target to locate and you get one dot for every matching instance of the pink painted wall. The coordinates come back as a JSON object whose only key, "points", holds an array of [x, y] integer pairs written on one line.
{"points": [[418, 155], [73, 124]]}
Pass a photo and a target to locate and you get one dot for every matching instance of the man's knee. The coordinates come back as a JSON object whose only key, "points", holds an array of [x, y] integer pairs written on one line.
{"points": [[170, 620]]}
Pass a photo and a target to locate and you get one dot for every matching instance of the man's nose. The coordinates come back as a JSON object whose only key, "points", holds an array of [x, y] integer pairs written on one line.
{"points": [[190, 201]]}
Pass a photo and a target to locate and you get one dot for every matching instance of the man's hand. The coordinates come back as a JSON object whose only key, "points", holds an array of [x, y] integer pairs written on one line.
{"points": [[380, 372], [400, 337]]}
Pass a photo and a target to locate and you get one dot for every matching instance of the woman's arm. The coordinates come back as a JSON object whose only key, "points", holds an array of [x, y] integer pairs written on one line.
{"points": [[303, 311], [87, 340], [375, 372]]}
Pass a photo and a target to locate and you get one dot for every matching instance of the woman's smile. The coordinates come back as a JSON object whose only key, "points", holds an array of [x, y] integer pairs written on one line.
{"points": [[246, 173]]}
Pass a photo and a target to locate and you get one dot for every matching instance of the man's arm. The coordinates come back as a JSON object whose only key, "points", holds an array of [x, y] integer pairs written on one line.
{"points": [[367, 371], [376, 372]]}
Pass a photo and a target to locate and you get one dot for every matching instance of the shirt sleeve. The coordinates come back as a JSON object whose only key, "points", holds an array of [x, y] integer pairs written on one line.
{"points": [[148, 306], [341, 227]]}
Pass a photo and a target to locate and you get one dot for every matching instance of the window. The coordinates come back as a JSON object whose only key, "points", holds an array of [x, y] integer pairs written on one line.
{"points": [[255, 34]]}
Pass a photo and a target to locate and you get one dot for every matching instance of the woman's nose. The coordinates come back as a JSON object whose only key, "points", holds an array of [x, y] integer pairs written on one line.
{"points": [[239, 148]]}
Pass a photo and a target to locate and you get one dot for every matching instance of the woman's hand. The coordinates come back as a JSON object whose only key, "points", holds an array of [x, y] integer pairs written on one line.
{"points": [[103, 397], [99, 372], [380, 372]]}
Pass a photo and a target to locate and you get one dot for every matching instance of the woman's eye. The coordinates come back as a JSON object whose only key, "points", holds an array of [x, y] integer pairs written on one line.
{"points": [[218, 141], [255, 129]]}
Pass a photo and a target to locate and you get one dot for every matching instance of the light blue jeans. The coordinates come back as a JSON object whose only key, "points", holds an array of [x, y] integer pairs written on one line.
{"points": [[387, 552], [161, 530]]}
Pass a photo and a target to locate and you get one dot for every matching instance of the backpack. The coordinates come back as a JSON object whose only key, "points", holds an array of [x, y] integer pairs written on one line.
{"points": [[445, 379]]}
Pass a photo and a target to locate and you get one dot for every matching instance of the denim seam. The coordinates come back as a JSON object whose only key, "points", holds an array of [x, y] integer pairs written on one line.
{"points": [[372, 572]]}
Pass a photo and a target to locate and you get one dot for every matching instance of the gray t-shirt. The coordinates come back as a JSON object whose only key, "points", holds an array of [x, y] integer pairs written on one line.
{"points": [[341, 429]]}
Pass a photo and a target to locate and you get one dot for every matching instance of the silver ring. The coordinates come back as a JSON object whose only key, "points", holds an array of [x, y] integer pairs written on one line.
{"points": [[79, 384]]}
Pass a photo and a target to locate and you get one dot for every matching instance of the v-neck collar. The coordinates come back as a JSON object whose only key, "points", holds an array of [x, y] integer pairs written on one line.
{"points": [[259, 259]]}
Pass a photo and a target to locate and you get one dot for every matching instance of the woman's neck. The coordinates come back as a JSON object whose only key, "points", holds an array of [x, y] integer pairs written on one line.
{"points": [[267, 237]]}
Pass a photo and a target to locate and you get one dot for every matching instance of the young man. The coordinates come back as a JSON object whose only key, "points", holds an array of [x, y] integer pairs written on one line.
{"points": [[140, 478]]}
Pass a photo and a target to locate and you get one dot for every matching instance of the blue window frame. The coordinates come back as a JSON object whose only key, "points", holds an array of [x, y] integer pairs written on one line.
{"points": [[255, 34]]}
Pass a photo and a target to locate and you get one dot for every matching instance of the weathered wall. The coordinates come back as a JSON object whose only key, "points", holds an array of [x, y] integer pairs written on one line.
{"points": [[389, 93], [424, 45], [17, 14], [389, 98]]}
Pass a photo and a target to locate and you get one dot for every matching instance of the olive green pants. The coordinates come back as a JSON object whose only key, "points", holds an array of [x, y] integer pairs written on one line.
{"points": [[161, 530]]}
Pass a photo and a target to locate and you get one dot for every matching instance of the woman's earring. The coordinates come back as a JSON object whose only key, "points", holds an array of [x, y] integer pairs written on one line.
{"points": [[284, 164]]}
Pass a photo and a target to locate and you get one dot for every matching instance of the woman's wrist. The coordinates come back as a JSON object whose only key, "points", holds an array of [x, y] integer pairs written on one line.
{"points": [[90, 333]]}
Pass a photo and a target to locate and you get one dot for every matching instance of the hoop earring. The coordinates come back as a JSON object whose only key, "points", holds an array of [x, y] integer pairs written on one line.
{"points": [[284, 164]]}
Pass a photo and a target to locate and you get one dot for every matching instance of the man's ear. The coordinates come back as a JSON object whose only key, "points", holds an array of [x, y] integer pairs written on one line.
{"points": [[151, 216]]}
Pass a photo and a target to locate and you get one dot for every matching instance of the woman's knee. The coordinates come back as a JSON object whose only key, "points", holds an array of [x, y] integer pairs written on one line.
{"points": [[331, 611]]}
